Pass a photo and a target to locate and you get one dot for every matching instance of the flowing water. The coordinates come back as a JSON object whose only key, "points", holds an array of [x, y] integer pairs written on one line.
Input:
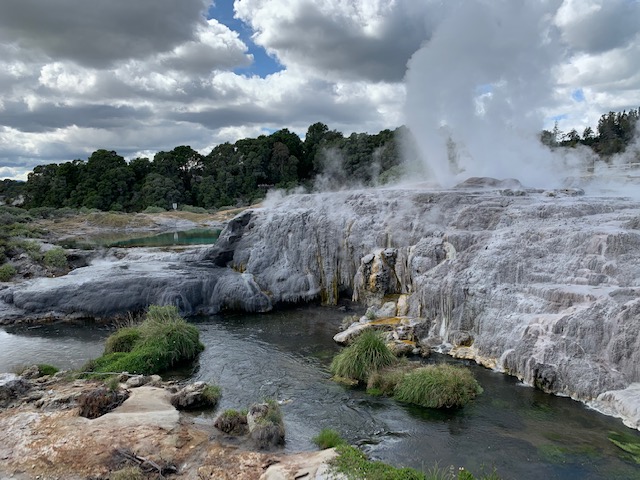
{"points": [[521, 432]]}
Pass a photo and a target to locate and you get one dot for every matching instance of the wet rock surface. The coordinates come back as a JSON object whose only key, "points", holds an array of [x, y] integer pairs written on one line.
{"points": [[542, 285]]}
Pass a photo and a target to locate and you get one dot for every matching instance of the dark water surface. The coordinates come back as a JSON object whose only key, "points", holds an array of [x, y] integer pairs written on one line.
{"points": [[523, 433]]}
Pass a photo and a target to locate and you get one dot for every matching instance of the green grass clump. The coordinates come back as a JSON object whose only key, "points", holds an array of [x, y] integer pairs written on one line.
{"points": [[367, 354], [46, 369], [122, 340], [7, 271], [232, 422], [328, 438], [438, 386], [353, 464], [165, 340], [383, 382], [55, 258], [212, 394]]}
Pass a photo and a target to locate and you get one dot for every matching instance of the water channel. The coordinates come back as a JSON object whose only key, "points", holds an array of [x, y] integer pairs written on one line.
{"points": [[521, 432]]}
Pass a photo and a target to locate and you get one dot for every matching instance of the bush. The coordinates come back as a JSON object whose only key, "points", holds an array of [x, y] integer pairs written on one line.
{"points": [[7, 271], [366, 355], [165, 340], [192, 209], [327, 438], [438, 386], [154, 210], [123, 340], [31, 248], [55, 258]]}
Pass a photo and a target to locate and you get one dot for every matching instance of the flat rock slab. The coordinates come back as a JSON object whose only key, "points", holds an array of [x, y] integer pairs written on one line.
{"points": [[148, 406]]}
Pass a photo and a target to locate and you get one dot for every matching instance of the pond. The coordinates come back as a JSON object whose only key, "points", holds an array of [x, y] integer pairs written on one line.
{"points": [[196, 236], [522, 432]]}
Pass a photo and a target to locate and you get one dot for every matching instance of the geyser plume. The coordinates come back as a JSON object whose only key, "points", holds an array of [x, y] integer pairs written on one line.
{"points": [[477, 89]]}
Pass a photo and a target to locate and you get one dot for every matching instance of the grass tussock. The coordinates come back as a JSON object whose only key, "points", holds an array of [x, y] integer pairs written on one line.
{"points": [[328, 438], [354, 465], [163, 340], [366, 355], [384, 381], [123, 340], [7, 272], [438, 386]]}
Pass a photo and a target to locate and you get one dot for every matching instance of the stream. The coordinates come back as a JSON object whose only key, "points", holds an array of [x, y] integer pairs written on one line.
{"points": [[521, 432]]}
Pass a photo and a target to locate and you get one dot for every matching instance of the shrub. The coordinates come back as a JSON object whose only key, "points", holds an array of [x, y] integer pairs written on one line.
{"points": [[165, 341], [154, 210], [122, 340], [192, 209], [31, 248], [367, 354], [7, 271], [55, 258], [327, 438], [438, 386]]}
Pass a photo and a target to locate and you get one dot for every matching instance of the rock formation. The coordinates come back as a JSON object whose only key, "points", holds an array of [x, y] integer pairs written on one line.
{"points": [[542, 285]]}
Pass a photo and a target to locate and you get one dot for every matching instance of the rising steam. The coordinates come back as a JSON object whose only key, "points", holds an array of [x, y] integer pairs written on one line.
{"points": [[477, 92]]}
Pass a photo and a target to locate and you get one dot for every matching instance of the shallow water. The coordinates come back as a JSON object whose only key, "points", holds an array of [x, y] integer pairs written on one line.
{"points": [[523, 433], [196, 236]]}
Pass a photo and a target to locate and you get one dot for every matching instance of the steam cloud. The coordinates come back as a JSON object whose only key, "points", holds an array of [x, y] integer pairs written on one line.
{"points": [[477, 92]]}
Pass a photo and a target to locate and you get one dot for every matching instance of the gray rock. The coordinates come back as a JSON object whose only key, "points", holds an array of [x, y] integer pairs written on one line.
{"points": [[193, 396], [266, 426], [549, 287]]}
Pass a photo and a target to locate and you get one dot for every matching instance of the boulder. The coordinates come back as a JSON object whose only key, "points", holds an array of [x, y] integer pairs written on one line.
{"points": [[266, 426], [195, 395]]}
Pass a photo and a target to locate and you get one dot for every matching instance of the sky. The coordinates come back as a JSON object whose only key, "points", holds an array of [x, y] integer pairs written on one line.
{"points": [[142, 76]]}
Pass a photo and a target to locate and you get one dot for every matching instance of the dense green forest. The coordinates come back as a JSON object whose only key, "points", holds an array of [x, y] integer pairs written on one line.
{"points": [[240, 173]]}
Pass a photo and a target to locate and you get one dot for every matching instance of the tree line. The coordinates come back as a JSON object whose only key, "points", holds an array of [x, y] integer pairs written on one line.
{"points": [[240, 173]]}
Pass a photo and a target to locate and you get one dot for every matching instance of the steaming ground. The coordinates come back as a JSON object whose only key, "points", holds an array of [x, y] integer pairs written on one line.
{"points": [[542, 284]]}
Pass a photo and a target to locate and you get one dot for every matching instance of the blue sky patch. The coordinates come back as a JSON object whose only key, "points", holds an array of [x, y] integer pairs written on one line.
{"points": [[578, 95], [263, 64]]}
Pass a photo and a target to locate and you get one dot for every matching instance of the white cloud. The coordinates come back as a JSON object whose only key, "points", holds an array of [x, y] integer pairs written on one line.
{"points": [[143, 76], [360, 39]]}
